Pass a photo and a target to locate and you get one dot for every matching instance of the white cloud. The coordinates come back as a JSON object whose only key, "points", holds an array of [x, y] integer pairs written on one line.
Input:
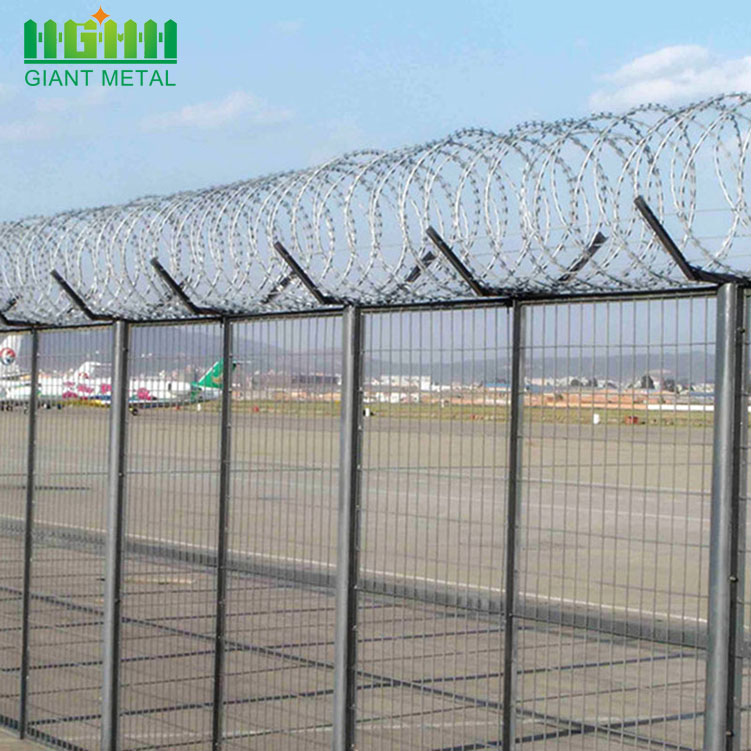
{"points": [[339, 136], [289, 27], [85, 100], [31, 129], [52, 104], [214, 114], [672, 75], [48, 116]]}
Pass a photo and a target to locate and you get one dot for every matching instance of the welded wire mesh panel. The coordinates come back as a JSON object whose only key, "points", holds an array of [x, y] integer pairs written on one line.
{"points": [[14, 367], [430, 642], [69, 516], [169, 592], [282, 534], [617, 439]]}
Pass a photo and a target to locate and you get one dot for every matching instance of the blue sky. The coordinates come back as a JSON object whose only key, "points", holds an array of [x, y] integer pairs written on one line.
{"points": [[263, 87]]}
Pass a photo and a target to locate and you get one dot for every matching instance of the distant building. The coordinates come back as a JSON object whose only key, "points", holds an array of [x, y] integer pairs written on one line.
{"points": [[315, 379], [419, 382], [655, 381]]}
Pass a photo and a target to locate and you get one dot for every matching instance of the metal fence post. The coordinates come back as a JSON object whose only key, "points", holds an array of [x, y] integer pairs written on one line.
{"points": [[221, 545], [725, 634], [28, 534], [513, 501], [114, 540], [350, 457]]}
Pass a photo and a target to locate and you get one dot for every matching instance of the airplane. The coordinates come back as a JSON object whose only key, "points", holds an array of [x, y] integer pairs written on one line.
{"points": [[9, 348], [10, 372], [91, 382], [147, 393]]}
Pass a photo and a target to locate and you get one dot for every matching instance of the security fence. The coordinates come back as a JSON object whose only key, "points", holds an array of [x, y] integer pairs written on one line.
{"points": [[442, 527], [438, 448]]}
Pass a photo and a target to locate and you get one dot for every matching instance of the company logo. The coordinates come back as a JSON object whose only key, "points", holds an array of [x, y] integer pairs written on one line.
{"points": [[99, 40], [7, 356]]}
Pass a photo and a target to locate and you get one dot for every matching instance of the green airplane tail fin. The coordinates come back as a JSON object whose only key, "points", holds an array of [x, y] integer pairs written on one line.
{"points": [[213, 377]]}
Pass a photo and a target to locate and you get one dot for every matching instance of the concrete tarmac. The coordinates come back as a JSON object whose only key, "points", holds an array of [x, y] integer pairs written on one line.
{"points": [[614, 522], [9, 742]]}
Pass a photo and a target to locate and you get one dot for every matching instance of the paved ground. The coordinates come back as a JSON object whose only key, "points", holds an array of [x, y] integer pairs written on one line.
{"points": [[9, 742], [614, 525]]}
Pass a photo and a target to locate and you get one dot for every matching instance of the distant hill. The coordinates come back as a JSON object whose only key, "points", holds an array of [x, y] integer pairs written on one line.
{"points": [[187, 348], [153, 349], [695, 366]]}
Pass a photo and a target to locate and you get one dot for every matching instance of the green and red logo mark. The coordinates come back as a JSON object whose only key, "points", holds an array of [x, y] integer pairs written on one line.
{"points": [[99, 40]]}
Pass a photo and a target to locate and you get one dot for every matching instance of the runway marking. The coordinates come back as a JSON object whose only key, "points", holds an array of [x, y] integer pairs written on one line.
{"points": [[530, 505], [469, 472], [309, 562]]}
